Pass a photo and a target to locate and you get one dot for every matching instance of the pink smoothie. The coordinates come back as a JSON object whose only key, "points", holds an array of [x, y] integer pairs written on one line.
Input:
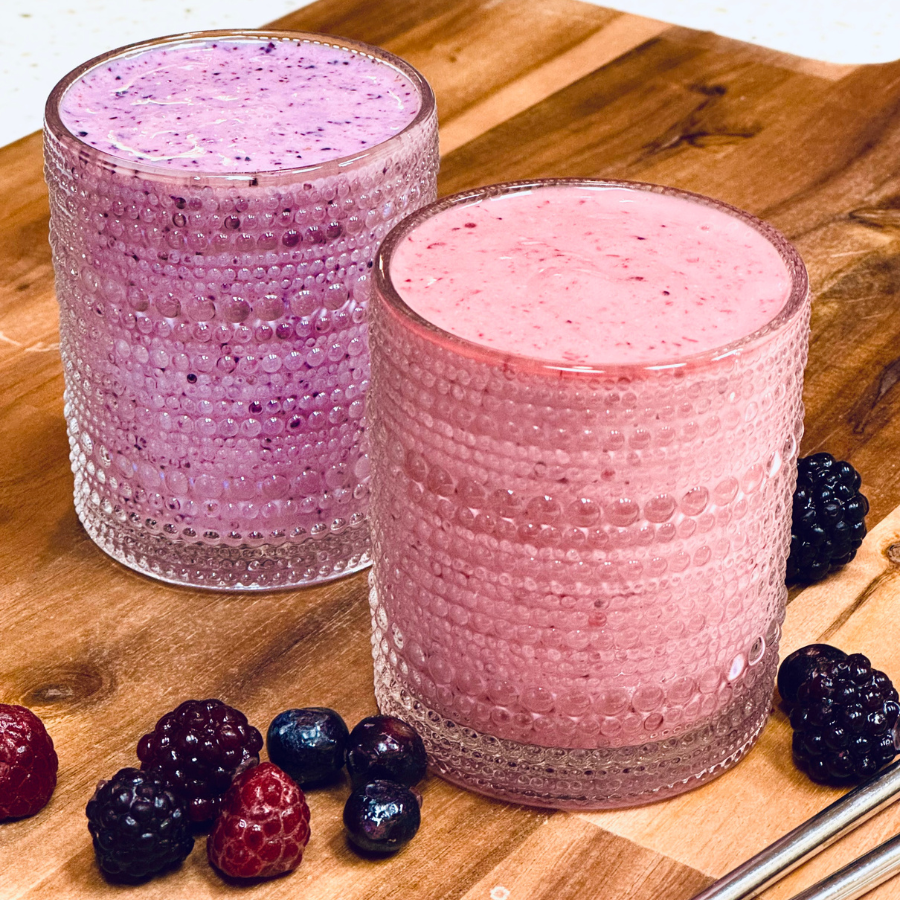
{"points": [[591, 275], [240, 105], [578, 580]]}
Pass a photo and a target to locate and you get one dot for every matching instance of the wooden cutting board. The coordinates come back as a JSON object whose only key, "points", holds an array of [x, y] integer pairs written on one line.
{"points": [[525, 88]]}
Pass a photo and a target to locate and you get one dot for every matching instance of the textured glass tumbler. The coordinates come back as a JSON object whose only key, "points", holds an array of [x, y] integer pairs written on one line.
{"points": [[213, 330], [578, 579]]}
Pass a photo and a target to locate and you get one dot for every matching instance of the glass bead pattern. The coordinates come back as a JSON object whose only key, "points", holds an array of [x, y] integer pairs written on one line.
{"points": [[580, 777], [214, 338], [578, 579]]}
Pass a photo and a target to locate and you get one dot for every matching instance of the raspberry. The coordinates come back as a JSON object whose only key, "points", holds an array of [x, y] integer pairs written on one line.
{"points": [[845, 721], [385, 748], [382, 816], [28, 763], [199, 748], [263, 826], [139, 826], [309, 744], [828, 522]]}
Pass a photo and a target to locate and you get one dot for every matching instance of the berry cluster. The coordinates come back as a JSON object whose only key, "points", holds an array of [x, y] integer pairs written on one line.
{"points": [[385, 759], [200, 766], [844, 713]]}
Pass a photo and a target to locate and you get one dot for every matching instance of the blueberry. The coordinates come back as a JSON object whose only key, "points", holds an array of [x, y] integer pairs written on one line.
{"points": [[382, 816], [309, 744], [800, 665], [382, 747]]}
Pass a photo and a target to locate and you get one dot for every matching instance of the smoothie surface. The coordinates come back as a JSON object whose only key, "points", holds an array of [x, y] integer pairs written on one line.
{"points": [[591, 275], [239, 105]]}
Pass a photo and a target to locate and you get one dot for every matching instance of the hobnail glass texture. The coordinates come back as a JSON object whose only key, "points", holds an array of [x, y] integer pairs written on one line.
{"points": [[578, 579], [213, 331]]}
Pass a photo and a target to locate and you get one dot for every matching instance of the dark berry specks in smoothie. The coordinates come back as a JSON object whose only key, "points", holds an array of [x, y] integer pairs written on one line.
{"points": [[241, 105], [591, 276]]}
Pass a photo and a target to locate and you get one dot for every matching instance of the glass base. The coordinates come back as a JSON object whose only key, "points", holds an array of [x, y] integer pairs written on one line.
{"points": [[559, 778], [578, 778], [314, 560]]}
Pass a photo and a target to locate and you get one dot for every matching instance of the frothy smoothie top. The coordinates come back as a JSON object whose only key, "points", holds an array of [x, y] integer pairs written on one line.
{"points": [[586, 275], [239, 105]]}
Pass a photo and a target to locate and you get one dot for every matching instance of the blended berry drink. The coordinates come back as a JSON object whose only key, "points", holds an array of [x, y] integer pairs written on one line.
{"points": [[217, 200], [586, 405]]}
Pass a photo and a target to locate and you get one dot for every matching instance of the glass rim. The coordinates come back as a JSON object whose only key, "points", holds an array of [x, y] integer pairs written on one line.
{"points": [[53, 123], [384, 287]]}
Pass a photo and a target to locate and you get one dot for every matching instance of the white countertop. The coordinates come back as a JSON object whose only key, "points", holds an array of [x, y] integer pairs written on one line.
{"points": [[41, 41]]}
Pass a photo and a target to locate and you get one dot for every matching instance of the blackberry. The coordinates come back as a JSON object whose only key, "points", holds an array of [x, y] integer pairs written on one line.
{"points": [[828, 523], [199, 748], [139, 826], [798, 667], [845, 721]]}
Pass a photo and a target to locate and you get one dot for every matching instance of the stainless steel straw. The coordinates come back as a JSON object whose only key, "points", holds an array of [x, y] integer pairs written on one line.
{"points": [[784, 855], [859, 877]]}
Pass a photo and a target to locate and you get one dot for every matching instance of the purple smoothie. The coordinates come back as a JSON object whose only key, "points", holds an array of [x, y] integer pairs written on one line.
{"points": [[239, 105], [217, 201]]}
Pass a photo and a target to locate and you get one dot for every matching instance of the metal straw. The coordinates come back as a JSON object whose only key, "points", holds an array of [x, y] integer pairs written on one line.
{"points": [[859, 877], [751, 878]]}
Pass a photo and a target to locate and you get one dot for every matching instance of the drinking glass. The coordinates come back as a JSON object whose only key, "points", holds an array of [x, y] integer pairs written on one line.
{"points": [[578, 579], [213, 330]]}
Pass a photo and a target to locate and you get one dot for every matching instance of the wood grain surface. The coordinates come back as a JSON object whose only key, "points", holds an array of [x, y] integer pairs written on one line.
{"points": [[525, 88]]}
